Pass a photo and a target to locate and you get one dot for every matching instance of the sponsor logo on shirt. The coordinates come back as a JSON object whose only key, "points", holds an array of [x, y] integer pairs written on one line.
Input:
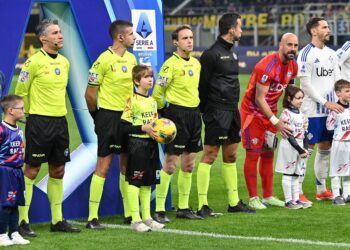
{"points": [[322, 72], [162, 81], [24, 76], [277, 87], [93, 77], [316, 61]]}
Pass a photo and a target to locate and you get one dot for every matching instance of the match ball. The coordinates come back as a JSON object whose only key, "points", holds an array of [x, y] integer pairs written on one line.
{"points": [[165, 130]]}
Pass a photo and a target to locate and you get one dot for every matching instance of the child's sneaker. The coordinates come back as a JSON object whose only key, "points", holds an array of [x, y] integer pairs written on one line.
{"points": [[326, 195], [292, 205], [304, 204], [303, 199], [255, 203], [272, 201], [139, 226], [18, 239], [338, 201], [5, 240], [153, 224]]}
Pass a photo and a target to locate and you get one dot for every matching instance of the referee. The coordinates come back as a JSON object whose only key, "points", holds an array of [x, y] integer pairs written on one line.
{"points": [[42, 84], [178, 82], [109, 87], [219, 90]]}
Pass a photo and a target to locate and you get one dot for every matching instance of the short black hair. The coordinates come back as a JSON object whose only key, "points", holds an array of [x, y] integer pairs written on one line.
{"points": [[341, 84], [290, 92], [175, 34], [313, 23], [117, 27], [227, 21], [9, 102]]}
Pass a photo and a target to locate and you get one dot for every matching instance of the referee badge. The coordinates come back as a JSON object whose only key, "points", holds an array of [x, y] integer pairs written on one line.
{"points": [[57, 71], [124, 69], [190, 72]]}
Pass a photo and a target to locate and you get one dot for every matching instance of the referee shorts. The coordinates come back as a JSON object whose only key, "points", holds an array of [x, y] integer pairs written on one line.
{"points": [[143, 167], [108, 131], [189, 130], [47, 140], [222, 127]]}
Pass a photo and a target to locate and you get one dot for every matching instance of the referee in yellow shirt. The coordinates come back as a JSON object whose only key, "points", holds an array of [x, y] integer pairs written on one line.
{"points": [[178, 83], [42, 84], [110, 85]]}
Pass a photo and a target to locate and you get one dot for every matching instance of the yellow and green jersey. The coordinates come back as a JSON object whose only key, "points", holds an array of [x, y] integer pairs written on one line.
{"points": [[42, 84], [178, 82], [140, 110], [112, 74]]}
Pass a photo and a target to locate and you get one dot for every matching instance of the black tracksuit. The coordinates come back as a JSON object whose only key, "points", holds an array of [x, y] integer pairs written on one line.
{"points": [[219, 83]]}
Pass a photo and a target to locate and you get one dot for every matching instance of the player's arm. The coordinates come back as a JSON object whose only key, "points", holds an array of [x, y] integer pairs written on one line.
{"points": [[24, 83], [96, 75], [260, 101], [164, 79], [305, 69], [207, 61], [91, 99]]}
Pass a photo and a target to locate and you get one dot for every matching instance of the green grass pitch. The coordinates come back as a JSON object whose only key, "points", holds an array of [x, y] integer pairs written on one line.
{"points": [[324, 226]]}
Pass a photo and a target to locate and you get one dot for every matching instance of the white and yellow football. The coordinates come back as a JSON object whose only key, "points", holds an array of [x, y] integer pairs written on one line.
{"points": [[165, 130]]}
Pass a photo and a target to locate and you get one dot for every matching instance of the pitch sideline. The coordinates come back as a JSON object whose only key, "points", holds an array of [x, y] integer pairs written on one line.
{"points": [[227, 236]]}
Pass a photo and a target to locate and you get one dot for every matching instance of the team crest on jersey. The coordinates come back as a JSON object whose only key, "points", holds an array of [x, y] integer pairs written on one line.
{"points": [[190, 72], [24, 76], [264, 78], [124, 69], [234, 55], [255, 141], [182, 73], [57, 71], [302, 70], [330, 59], [289, 74]]}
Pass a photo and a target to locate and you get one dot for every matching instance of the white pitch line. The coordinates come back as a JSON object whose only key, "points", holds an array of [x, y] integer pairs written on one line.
{"points": [[228, 236]]}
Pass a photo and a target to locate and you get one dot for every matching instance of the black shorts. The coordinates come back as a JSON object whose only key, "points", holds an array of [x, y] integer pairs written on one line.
{"points": [[222, 127], [109, 135], [143, 167], [47, 140], [188, 123]]}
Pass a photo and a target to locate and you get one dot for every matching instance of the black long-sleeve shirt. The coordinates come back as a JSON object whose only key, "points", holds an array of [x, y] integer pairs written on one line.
{"points": [[219, 84]]}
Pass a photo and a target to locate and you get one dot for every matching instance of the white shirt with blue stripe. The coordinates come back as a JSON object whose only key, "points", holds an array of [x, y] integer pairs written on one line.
{"points": [[344, 60], [318, 70]]}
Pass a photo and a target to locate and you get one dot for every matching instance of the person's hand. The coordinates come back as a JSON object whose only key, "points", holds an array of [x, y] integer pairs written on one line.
{"points": [[284, 129], [334, 107], [305, 154], [148, 128]]}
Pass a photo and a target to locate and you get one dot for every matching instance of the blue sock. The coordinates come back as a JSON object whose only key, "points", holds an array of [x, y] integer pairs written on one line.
{"points": [[4, 218], [13, 220]]}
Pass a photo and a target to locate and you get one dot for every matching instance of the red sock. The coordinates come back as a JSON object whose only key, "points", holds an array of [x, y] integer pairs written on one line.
{"points": [[266, 173], [250, 172]]}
